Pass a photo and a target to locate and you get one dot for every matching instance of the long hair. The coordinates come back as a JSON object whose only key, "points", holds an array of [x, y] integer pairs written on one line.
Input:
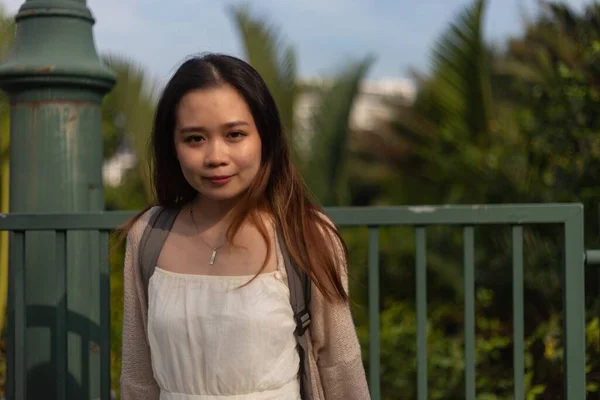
{"points": [[277, 189]]}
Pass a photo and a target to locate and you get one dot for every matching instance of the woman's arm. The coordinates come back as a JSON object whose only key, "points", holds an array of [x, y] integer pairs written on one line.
{"points": [[335, 344], [137, 380]]}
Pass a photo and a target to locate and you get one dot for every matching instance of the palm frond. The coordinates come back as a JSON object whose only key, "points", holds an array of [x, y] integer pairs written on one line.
{"points": [[325, 170], [460, 65]]}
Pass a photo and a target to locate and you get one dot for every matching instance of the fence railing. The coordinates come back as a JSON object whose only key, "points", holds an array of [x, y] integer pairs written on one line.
{"points": [[569, 216]]}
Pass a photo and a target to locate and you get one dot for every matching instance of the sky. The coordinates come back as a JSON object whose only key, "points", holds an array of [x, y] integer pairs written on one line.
{"points": [[327, 34]]}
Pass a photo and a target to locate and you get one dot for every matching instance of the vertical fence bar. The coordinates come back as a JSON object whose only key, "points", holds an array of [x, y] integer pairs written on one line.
{"points": [[78, 313], [469, 280], [17, 382], [60, 338], [95, 330], [518, 314], [574, 309], [421, 288], [374, 350], [104, 315]]}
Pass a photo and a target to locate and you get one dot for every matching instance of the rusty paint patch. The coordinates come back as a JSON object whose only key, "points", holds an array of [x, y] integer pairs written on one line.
{"points": [[43, 69], [94, 348], [47, 68], [49, 10], [26, 13], [72, 116]]}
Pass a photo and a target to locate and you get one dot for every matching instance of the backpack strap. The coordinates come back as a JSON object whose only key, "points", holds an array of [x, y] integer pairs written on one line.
{"points": [[300, 292], [152, 241]]}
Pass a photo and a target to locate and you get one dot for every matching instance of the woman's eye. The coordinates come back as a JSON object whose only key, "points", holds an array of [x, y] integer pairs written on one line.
{"points": [[236, 134], [193, 139]]}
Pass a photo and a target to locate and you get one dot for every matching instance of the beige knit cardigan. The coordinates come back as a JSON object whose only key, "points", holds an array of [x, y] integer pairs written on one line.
{"points": [[337, 371]]}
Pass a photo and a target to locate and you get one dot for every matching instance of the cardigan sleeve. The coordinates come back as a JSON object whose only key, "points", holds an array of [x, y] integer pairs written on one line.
{"points": [[137, 379], [335, 344]]}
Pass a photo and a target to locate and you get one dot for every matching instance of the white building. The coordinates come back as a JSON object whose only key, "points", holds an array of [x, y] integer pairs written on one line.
{"points": [[371, 105]]}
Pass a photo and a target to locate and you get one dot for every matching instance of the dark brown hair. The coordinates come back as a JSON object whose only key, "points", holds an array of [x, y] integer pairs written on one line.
{"points": [[277, 189]]}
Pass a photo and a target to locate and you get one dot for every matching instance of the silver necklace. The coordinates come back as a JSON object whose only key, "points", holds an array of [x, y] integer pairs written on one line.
{"points": [[213, 256]]}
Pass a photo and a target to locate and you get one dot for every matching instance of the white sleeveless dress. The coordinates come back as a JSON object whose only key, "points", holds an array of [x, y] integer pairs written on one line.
{"points": [[211, 340]]}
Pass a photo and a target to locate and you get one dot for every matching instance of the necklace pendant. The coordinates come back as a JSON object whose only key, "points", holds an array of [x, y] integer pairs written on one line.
{"points": [[213, 256]]}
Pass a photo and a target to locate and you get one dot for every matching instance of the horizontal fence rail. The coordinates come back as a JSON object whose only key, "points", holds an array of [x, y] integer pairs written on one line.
{"points": [[570, 216], [343, 216]]}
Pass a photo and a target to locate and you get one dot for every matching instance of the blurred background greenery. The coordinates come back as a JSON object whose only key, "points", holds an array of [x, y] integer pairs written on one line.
{"points": [[520, 124]]}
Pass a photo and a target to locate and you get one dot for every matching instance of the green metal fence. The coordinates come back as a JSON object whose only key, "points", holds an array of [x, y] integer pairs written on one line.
{"points": [[570, 216], [96, 350]]}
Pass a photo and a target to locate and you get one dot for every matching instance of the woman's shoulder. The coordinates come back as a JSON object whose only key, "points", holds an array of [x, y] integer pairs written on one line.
{"points": [[137, 229], [325, 219], [327, 226]]}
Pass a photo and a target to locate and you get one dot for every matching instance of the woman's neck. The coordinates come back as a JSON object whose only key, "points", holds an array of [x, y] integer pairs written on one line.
{"points": [[214, 212]]}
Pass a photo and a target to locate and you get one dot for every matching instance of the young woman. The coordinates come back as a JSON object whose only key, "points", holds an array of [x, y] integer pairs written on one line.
{"points": [[217, 321]]}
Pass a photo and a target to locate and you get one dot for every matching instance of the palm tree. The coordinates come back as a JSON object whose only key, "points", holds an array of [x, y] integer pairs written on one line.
{"points": [[452, 136], [324, 164]]}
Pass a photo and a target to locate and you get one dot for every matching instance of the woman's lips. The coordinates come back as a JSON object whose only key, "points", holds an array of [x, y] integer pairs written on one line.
{"points": [[219, 180]]}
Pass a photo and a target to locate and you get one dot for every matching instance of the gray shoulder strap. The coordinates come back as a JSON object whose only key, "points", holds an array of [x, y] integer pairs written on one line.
{"points": [[300, 293], [152, 241]]}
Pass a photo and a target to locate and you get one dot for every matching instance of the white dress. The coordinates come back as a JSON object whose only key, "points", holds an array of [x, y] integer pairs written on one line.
{"points": [[211, 340]]}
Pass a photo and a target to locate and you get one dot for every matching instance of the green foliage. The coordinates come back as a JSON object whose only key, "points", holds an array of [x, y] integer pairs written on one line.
{"points": [[128, 113], [7, 31], [133, 187]]}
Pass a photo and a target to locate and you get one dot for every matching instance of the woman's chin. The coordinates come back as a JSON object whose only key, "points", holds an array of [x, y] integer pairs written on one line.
{"points": [[220, 195]]}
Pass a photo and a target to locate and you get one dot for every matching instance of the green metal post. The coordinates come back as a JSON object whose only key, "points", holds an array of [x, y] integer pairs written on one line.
{"points": [[56, 82]]}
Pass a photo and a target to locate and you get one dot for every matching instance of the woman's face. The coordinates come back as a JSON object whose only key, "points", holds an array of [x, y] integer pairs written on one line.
{"points": [[217, 143]]}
